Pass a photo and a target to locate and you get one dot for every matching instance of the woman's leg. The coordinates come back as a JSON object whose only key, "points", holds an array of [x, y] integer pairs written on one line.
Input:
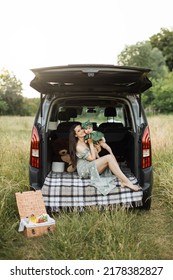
{"points": [[111, 162]]}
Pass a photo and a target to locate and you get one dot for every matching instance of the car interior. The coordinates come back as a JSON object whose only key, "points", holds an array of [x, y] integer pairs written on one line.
{"points": [[112, 118]]}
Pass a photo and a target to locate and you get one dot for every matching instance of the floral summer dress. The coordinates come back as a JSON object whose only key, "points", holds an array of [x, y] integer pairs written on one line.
{"points": [[104, 182]]}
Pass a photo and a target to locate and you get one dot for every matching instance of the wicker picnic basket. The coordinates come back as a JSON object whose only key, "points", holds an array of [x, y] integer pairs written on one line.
{"points": [[32, 203]]}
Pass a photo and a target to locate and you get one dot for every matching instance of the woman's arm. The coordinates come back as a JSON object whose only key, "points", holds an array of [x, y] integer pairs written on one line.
{"points": [[92, 155]]}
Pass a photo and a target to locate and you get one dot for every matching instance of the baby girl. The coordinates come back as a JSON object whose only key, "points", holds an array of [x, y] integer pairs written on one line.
{"points": [[97, 137]]}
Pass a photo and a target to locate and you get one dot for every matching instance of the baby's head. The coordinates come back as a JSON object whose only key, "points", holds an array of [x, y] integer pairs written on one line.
{"points": [[88, 127]]}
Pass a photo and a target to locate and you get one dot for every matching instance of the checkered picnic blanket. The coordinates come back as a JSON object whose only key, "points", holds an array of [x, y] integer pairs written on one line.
{"points": [[68, 190]]}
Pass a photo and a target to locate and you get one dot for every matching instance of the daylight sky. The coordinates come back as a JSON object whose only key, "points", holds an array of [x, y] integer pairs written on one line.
{"points": [[40, 33]]}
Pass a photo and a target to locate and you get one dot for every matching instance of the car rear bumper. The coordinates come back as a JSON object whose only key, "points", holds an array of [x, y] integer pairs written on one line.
{"points": [[147, 178], [35, 180]]}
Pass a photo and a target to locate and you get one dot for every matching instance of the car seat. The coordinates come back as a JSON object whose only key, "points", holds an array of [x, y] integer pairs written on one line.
{"points": [[110, 112], [64, 117]]}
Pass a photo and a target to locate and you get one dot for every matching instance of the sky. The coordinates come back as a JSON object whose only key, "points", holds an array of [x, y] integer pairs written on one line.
{"points": [[43, 33]]}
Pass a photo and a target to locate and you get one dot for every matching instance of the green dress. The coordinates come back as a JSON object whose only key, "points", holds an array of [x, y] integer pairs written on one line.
{"points": [[104, 182], [96, 136]]}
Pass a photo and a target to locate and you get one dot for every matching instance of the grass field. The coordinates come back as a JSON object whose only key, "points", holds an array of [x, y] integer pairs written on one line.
{"points": [[119, 234]]}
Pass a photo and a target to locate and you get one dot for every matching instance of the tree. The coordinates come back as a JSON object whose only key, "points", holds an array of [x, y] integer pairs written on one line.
{"points": [[143, 55], [164, 42], [11, 99], [31, 105], [160, 96], [163, 91], [3, 107]]}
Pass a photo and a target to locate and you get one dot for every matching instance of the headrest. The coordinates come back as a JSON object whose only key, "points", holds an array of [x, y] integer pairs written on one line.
{"points": [[62, 116], [110, 112], [71, 112]]}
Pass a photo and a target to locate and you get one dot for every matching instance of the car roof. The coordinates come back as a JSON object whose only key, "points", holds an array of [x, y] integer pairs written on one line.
{"points": [[83, 78]]}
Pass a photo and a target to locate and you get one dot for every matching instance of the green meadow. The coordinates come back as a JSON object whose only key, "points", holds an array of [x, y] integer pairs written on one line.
{"points": [[96, 235]]}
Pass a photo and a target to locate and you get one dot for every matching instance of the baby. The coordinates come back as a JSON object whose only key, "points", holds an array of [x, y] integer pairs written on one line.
{"points": [[97, 137]]}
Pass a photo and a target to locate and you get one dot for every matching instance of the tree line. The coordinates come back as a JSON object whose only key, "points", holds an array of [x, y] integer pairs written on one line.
{"points": [[11, 100], [155, 54]]}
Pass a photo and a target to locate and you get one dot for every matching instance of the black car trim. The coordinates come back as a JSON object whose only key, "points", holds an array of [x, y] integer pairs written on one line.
{"points": [[100, 78]]}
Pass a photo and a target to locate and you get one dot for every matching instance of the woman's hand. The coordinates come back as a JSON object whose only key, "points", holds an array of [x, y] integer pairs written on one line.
{"points": [[98, 147], [90, 141]]}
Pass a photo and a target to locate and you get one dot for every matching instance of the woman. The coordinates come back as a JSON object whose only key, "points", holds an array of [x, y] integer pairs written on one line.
{"points": [[101, 171]]}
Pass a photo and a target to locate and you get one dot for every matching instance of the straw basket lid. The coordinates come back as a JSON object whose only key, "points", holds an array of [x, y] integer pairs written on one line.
{"points": [[29, 203]]}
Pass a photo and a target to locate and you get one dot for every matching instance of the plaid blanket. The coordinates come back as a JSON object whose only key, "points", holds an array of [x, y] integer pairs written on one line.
{"points": [[68, 190]]}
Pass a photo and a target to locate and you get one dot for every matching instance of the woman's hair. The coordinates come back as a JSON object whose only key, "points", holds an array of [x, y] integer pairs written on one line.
{"points": [[72, 144]]}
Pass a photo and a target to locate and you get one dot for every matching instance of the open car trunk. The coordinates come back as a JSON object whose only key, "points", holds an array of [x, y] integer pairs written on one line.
{"points": [[68, 188]]}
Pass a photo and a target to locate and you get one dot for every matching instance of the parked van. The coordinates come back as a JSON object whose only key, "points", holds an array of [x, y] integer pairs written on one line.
{"points": [[107, 95]]}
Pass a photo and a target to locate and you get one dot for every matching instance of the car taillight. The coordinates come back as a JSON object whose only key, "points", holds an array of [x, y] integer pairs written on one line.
{"points": [[146, 148], [35, 149]]}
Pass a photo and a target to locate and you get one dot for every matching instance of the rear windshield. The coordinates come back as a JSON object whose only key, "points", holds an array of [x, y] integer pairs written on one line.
{"points": [[96, 113]]}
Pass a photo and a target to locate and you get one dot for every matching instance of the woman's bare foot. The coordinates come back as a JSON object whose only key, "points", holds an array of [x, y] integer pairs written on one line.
{"points": [[129, 185]]}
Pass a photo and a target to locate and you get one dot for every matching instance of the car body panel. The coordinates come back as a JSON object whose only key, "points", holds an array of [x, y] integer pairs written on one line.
{"points": [[91, 78]]}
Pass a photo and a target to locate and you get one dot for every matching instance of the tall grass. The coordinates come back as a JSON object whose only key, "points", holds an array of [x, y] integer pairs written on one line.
{"points": [[162, 143], [116, 234]]}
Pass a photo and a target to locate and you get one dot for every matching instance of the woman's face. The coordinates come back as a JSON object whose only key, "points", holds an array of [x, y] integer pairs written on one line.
{"points": [[79, 131]]}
